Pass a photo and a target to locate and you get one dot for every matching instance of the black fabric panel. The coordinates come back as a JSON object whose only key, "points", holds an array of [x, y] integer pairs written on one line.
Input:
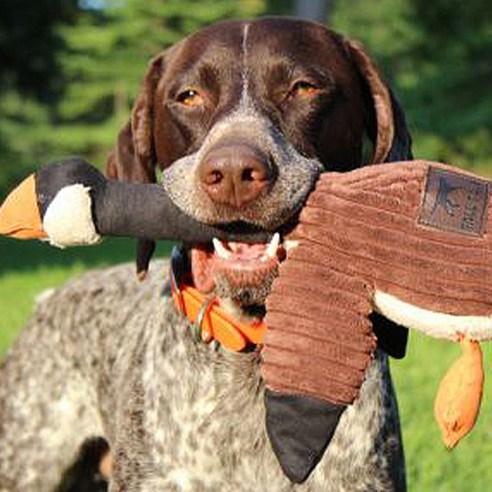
{"points": [[300, 429], [392, 338]]}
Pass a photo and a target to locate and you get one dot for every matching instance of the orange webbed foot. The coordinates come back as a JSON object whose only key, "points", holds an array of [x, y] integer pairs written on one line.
{"points": [[458, 399]]}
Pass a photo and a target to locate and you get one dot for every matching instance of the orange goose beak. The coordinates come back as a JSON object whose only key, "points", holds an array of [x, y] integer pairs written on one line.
{"points": [[19, 214]]}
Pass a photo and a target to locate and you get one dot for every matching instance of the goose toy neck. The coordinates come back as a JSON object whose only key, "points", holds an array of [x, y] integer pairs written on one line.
{"points": [[71, 203]]}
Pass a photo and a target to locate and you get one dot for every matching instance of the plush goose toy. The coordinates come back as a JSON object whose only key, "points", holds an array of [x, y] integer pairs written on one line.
{"points": [[409, 240]]}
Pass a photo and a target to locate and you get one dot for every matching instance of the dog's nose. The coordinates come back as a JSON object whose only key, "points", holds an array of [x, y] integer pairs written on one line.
{"points": [[235, 174]]}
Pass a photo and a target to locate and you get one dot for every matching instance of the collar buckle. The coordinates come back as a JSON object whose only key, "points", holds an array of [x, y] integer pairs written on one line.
{"points": [[197, 327]]}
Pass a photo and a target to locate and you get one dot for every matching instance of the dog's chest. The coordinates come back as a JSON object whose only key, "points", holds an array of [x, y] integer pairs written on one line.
{"points": [[205, 408], [202, 424]]}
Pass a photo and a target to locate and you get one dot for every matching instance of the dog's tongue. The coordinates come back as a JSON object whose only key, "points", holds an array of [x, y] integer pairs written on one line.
{"points": [[242, 264]]}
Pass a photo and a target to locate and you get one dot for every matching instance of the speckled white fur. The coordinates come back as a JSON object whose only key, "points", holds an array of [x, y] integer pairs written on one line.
{"points": [[179, 415]]}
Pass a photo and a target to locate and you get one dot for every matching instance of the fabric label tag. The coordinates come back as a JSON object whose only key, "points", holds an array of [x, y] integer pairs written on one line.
{"points": [[455, 202]]}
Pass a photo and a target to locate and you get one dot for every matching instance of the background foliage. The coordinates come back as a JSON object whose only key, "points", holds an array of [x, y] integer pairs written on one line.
{"points": [[70, 68], [69, 72]]}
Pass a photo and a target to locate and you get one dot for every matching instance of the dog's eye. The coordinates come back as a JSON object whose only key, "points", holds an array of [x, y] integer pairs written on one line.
{"points": [[190, 97], [302, 88]]}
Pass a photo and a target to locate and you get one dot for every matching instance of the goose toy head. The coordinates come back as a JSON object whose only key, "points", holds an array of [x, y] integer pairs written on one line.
{"points": [[55, 204]]}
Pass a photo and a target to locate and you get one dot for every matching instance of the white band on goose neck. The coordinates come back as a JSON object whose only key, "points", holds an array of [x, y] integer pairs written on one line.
{"points": [[433, 323], [68, 219]]}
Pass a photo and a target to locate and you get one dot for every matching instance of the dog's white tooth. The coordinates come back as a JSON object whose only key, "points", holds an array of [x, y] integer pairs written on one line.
{"points": [[290, 244], [271, 251], [219, 249]]}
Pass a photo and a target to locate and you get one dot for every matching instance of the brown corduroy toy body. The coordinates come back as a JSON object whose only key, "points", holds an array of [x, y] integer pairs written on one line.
{"points": [[409, 240]]}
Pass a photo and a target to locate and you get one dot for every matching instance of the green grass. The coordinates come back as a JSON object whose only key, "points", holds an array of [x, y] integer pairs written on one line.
{"points": [[28, 268], [430, 466]]}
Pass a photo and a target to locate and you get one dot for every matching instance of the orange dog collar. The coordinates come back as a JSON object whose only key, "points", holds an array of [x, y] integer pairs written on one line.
{"points": [[210, 320]]}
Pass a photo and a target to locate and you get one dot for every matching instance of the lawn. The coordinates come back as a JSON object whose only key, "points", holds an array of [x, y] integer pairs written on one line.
{"points": [[28, 268]]}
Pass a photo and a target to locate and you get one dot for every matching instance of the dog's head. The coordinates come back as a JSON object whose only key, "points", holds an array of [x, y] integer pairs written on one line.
{"points": [[242, 117]]}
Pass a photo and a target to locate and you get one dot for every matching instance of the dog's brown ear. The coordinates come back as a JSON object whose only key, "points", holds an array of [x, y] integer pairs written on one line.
{"points": [[134, 156], [142, 124], [389, 132], [123, 164]]}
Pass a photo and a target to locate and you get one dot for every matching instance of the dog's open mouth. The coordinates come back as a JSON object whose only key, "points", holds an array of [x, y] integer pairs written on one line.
{"points": [[240, 271]]}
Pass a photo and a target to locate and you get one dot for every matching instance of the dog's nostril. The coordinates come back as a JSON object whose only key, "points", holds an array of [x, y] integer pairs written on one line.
{"points": [[248, 174], [214, 177]]}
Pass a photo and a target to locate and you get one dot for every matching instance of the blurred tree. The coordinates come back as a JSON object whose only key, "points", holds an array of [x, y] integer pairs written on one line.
{"points": [[280, 7], [316, 10], [29, 45], [455, 78], [439, 56], [30, 75], [107, 52]]}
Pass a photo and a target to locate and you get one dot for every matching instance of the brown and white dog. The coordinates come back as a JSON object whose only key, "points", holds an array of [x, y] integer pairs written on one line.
{"points": [[241, 117]]}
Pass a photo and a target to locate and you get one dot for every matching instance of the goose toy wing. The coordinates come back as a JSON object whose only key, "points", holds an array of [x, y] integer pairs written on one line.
{"points": [[408, 240]]}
